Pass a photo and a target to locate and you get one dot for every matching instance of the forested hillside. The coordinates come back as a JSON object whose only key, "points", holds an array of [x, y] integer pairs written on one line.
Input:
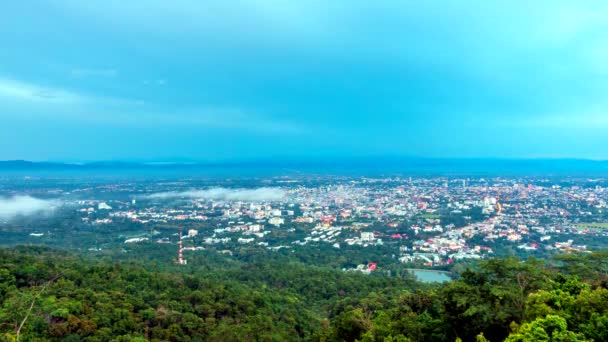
{"points": [[48, 295]]}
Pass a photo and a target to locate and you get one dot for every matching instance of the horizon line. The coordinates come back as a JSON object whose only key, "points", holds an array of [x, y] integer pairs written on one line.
{"points": [[324, 159]]}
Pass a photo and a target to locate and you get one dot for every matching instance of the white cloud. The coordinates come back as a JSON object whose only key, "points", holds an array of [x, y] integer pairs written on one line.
{"points": [[22, 91], [159, 82], [84, 72], [237, 20], [259, 194], [228, 118], [25, 205], [123, 111], [17, 91], [569, 121], [571, 20]]}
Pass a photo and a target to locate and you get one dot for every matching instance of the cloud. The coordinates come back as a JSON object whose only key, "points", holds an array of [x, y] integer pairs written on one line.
{"points": [[259, 194], [211, 118], [158, 82], [40, 95], [354, 77], [22, 91], [224, 118], [25, 205], [34, 98], [105, 73], [270, 18]]}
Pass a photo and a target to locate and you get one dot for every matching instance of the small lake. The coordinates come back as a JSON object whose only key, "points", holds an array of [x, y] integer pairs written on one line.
{"points": [[430, 276]]}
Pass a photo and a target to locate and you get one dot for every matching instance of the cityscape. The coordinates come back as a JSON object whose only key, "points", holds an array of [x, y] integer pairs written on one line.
{"points": [[317, 171], [424, 223]]}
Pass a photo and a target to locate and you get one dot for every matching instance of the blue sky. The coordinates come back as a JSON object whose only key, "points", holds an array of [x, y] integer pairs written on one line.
{"points": [[259, 79]]}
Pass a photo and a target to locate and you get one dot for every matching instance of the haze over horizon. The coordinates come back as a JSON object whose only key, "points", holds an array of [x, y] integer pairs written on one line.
{"points": [[262, 79]]}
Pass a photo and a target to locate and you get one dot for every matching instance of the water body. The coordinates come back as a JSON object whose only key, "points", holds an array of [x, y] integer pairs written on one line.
{"points": [[430, 276]]}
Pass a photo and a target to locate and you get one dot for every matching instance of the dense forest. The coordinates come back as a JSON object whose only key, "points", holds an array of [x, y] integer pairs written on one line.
{"points": [[50, 295]]}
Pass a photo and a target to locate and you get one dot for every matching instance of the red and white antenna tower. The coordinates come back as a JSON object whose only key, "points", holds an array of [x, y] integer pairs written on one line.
{"points": [[180, 253]]}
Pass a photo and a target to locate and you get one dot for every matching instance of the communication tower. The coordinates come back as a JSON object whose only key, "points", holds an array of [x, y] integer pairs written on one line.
{"points": [[180, 252]]}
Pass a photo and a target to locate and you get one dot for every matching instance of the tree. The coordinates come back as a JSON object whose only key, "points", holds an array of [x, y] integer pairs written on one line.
{"points": [[552, 328], [351, 325]]}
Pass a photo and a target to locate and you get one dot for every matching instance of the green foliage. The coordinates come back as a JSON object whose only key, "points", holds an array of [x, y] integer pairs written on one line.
{"points": [[494, 300], [550, 329], [102, 301], [481, 338], [351, 325]]}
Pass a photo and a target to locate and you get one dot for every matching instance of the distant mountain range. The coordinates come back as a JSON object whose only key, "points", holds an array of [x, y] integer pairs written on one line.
{"points": [[386, 165]]}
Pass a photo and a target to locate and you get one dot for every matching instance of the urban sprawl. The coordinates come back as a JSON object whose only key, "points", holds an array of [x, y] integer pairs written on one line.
{"points": [[430, 222]]}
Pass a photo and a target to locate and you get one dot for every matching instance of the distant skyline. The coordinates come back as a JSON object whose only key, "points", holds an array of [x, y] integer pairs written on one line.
{"points": [[220, 80]]}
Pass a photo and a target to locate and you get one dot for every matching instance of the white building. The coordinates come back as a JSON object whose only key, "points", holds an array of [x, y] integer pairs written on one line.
{"points": [[276, 221], [103, 206], [367, 236]]}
